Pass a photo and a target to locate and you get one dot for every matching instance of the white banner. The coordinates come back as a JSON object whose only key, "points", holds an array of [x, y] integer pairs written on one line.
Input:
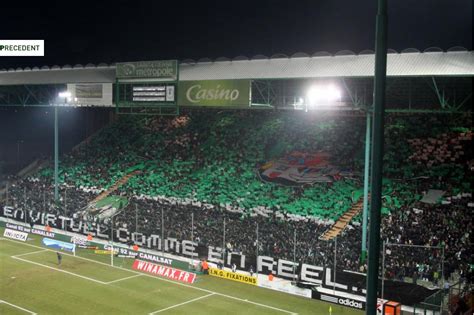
{"points": [[21, 48], [98, 94], [282, 285], [16, 235]]}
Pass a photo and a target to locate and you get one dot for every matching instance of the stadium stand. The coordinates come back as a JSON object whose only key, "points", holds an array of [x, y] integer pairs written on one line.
{"points": [[208, 163]]}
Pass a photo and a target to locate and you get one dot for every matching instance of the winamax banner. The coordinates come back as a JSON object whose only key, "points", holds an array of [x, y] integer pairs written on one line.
{"points": [[163, 271], [215, 93]]}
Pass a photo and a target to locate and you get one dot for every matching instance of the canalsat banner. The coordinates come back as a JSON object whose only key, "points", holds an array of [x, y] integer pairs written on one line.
{"points": [[25, 229], [215, 93]]}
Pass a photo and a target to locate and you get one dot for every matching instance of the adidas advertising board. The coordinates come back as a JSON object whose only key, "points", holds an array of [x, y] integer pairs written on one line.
{"points": [[360, 305]]}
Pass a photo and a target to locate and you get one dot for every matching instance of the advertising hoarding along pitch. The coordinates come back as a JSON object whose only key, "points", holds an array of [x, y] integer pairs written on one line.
{"points": [[59, 244], [215, 93], [163, 271], [310, 276], [16, 235], [345, 301], [232, 276]]}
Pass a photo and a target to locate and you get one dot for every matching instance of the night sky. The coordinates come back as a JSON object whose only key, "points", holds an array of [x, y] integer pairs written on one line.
{"points": [[99, 31]]}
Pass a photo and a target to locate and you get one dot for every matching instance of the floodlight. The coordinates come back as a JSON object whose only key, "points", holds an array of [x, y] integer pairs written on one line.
{"points": [[64, 94], [323, 95]]}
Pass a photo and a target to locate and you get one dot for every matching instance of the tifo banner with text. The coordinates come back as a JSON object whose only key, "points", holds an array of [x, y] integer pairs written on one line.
{"points": [[215, 93], [16, 235], [232, 276], [163, 271]]}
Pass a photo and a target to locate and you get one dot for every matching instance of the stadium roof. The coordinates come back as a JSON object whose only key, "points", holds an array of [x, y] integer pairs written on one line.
{"points": [[409, 63]]}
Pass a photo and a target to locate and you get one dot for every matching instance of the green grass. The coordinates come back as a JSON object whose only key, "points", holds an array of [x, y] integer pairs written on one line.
{"points": [[35, 282]]}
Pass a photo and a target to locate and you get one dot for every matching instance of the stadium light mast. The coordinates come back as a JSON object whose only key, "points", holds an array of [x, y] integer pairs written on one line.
{"points": [[66, 95], [366, 189], [377, 156], [56, 155]]}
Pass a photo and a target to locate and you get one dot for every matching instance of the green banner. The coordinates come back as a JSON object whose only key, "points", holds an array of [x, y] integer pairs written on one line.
{"points": [[160, 69], [226, 93]]}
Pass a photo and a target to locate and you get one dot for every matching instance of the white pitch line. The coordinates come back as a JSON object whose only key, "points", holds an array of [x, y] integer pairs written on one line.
{"points": [[30, 253], [161, 279], [62, 253], [60, 270], [113, 281], [18, 307], [180, 304]]}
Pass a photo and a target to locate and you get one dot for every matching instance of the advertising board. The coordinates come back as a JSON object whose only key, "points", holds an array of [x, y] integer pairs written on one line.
{"points": [[164, 271], [16, 235]]}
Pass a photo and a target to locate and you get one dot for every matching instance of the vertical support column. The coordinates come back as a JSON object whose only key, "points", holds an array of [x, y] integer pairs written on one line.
{"points": [[268, 93], [192, 236], [7, 194], [383, 268], [117, 96], [363, 255], [223, 245], [377, 157], [294, 255], [56, 155], [176, 88], [112, 241], [256, 262], [136, 218], [162, 232], [409, 93], [334, 267], [442, 280], [24, 198]]}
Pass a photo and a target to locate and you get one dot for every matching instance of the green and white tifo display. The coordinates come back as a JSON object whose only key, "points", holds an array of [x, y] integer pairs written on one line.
{"points": [[238, 211]]}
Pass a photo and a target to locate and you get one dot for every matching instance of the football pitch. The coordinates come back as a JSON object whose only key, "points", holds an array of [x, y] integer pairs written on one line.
{"points": [[32, 282]]}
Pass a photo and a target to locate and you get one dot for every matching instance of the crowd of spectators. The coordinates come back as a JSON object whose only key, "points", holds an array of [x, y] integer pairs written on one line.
{"points": [[204, 164], [447, 225]]}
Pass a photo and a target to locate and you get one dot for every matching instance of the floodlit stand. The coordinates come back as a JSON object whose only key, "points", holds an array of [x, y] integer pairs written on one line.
{"points": [[386, 244]]}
